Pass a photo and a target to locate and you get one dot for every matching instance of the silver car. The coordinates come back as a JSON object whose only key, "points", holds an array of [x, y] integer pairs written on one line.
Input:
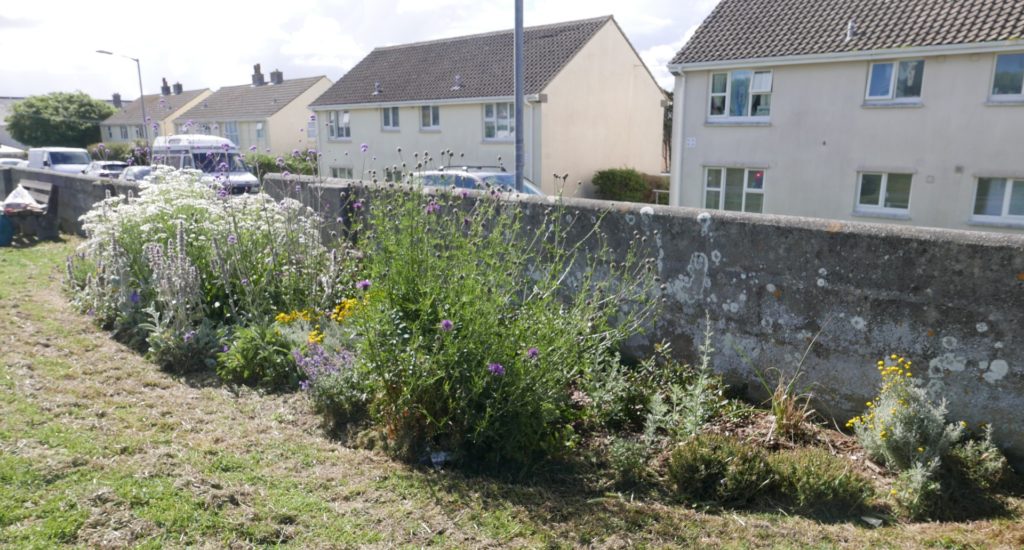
{"points": [[105, 168], [474, 178]]}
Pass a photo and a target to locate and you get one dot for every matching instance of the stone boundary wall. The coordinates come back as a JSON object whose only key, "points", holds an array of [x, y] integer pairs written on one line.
{"points": [[76, 195], [952, 301]]}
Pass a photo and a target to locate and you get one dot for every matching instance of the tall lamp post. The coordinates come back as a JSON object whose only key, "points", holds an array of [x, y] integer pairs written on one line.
{"points": [[518, 90], [142, 99]]}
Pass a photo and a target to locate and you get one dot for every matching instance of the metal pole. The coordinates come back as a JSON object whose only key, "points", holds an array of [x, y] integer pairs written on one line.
{"points": [[520, 161], [142, 98]]}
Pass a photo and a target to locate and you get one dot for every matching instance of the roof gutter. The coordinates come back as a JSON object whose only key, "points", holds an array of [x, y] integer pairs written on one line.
{"points": [[530, 98], [916, 51]]}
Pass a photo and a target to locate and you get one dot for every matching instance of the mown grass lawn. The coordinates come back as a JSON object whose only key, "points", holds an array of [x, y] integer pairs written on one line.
{"points": [[99, 448]]}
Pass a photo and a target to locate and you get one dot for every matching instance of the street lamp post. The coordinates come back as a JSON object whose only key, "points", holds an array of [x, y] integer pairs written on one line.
{"points": [[142, 99], [519, 91]]}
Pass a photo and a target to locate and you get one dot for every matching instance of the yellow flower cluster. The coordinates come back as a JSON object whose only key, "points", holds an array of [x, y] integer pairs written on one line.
{"points": [[316, 337], [343, 310], [895, 372], [292, 316]]}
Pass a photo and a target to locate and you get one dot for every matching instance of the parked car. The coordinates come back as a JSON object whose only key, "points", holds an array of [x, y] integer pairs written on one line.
{"points": [[105, 168], [135, 173], [11, 162], [62, 159], [214, 156], [474, 177]]}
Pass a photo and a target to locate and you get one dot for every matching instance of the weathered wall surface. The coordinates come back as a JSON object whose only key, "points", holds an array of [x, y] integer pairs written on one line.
{"points": [[76, 193], [953, 301]]}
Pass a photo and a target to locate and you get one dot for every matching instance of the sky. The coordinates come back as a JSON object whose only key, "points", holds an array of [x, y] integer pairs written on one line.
{"points": [[50, 45]]}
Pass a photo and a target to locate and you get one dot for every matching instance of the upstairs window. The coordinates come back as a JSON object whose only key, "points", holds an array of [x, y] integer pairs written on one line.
{"points": [[124, 132], [1008, 82], [737, 189], [231, 132], [430, 117], [390, 118], [884, 192], [338, 125], [999, 199], [742, 93], [895, 80], [499, 121]]}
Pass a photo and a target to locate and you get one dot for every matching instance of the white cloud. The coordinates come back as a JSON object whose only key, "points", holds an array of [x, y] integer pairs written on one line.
{"points": [[657, 58]]}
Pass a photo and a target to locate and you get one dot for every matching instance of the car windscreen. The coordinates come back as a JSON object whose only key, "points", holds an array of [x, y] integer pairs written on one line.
{"points": [[499, 180], [219, 162], [69, 157]]}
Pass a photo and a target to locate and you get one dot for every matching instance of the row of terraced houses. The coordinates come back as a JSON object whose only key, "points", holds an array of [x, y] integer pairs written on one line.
{"points": [[900, 111]]}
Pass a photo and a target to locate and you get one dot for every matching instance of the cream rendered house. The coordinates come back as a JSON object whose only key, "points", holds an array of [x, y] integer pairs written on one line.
{"points": [[268, 116], [591, 104], [906, 111], [125, 126]]}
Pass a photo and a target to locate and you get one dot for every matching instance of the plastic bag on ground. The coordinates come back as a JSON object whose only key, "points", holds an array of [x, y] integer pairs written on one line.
{"points": [[20, 200]]}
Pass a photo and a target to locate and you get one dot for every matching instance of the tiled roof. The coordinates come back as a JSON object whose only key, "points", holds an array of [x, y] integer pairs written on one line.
{"points": [[752, 29], [248, 102], [483, 63], [155, 108]]}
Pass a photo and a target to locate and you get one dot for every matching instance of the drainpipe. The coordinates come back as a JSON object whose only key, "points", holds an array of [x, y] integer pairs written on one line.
{"points": [[675, 192]]}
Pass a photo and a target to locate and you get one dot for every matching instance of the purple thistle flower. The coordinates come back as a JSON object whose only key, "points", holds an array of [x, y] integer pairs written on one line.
{"points": [[533, 353], [252, 148], [189, 336], [245, 282], [286, 174], [280, 161], [432, 207], [363, 285], [312, 118], [134, 297], [304, 385], [496, 369], [447, 325], [296, 153], [232, 239], [358, 205], [101, 147], [222, 193], [223, 167], [466, 222], [364, 148], [224, 348], [464, 193]]}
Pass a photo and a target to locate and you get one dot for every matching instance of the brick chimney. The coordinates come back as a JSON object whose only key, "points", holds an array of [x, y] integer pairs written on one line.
{"points": [[117, 101], [177, 88], [165, 89], [276, 77], [257, 76]]}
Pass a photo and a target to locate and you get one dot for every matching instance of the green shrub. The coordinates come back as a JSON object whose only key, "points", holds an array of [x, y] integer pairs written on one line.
{"points": [[621, 184], [472, 337], [902, 427], [628, 460], [135, 153], [299, 163], [916, 494], [980, 462], [259, 355], [711, 467], [813, 479], [182, 350]]}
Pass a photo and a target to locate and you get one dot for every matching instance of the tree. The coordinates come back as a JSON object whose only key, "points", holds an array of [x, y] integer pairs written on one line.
{"points": [[58, 119]]}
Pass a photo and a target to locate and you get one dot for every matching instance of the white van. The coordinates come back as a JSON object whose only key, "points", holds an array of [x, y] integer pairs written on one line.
{"points": [[62, 159], [214, 156]]}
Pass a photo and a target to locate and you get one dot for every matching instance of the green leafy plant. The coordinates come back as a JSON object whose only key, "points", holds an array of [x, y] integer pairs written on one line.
{"points": [[621, 184], [812, 479], [628, 460], [711, 467], [58, 119], [916, 494], [259, 355], [981, 462]]}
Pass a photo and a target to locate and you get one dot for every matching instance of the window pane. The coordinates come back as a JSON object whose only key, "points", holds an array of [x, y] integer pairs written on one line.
{"points": [[711, 199], [989, 201], [881, 79], [734, 189], [755, 203], [1017, 199], [761, 105], [489, 129], [489, 110], [739, 97], [897, 191], [714, 180], [870, 189], [436, 113], [424, 116], [387, 117], [503, 110], [344, 118], [755, 179], [908, 82], [1009, 74], [394, 117], [718, 81], [718, 105], [762, 82]]}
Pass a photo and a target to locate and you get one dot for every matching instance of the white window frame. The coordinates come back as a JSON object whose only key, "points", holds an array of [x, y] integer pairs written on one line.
{"points": [[312, 130], [261, 134], [339, 125], [390, 119], [893, 75], [1004, 217], [510, 134], [880, 206], [231, 132], [1011, 98], [124, 132], [747, 189], [433, 112], [749, 117], [341, 171]]}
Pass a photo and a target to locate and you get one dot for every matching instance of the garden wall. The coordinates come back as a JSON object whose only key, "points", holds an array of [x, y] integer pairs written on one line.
{"points": [[777, 287], [76, 193]]}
